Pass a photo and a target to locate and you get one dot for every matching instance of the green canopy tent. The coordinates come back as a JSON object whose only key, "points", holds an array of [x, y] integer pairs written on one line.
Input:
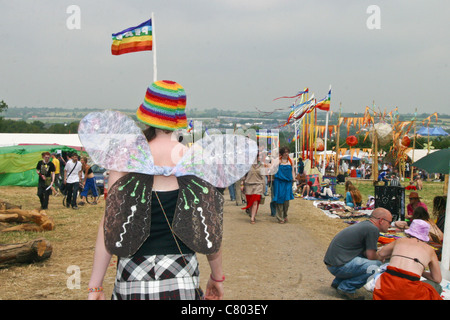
{"points": [[18, 163]]}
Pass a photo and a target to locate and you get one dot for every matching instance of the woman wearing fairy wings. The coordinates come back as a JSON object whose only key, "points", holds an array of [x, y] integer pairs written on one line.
{"points": [[163, 205]]}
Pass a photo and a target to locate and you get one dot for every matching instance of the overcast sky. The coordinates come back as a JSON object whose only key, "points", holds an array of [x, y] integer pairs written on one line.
{"points": [[229, 54]]}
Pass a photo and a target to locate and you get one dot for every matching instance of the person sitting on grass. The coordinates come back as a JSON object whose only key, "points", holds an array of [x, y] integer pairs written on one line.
{"points": [[439, 207], [414, 202], [420, 213], [326, 192], [353, 197], [307, 190]]}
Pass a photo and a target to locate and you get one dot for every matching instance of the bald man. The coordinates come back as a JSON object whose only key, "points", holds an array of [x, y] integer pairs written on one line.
{"points": [[352, 254]]}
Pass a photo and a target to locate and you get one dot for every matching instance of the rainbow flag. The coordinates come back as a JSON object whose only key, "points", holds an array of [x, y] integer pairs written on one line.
{"points": [[324, 104], [190, 126], [133, 39]]}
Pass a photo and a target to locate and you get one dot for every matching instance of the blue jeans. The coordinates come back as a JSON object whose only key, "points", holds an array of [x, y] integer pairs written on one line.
{"points": [[273, 208], [354, 274], [232, 192]]}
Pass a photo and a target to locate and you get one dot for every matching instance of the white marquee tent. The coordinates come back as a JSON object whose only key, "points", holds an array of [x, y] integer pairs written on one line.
{"points": [[13, 139]]}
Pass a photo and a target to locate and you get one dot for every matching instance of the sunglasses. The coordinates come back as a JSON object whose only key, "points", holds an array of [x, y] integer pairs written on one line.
{"points": [[385, 220]]}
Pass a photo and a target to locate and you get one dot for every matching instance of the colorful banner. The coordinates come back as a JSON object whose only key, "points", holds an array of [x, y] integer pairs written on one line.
{"points": [[133, 39], [324, 104]]}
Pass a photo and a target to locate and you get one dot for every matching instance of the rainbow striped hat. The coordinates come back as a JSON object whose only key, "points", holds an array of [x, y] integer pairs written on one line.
{"points": [[164, 106]]}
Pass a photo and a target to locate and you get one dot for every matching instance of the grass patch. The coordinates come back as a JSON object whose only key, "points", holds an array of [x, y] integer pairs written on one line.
{"points": [[429, 191]]}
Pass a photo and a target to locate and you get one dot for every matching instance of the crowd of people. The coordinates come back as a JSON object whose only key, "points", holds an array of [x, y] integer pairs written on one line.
{"points": [[408, 258], [67, 175], [353, 256]]}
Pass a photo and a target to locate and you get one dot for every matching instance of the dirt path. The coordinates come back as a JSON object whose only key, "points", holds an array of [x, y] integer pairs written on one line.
{"points": [[269, 260]]}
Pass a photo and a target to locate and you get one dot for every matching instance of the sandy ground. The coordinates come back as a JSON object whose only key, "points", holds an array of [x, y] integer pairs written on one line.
{"points": [[264, 261], [275, 261]]}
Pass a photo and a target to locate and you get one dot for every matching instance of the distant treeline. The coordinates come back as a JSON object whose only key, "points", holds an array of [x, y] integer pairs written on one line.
{"points": [[21, 126]]}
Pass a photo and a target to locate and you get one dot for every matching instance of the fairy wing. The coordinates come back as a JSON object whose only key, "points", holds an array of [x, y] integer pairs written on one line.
{"points": [[198, 219], [219, 159], [214, 161], [115, 142], [127, 214]]}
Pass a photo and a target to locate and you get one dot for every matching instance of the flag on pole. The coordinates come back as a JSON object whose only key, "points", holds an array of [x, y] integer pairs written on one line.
{"points": [[324, 104], [133, 39], [190, 126], [306, 90]]}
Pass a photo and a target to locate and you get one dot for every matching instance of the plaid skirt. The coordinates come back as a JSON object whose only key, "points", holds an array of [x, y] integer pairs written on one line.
{"points": [[158, 277]]}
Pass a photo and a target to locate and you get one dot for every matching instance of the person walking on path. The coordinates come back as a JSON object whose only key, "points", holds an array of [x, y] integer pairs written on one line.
{"points": [[72, 179], [157, 265], [254, 185], [55, 161], [88, 182], [282, 185], [46, 172]]}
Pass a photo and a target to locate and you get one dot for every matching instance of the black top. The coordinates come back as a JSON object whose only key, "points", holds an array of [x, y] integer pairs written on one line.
{"points": [[45, 169], [161, 239]]}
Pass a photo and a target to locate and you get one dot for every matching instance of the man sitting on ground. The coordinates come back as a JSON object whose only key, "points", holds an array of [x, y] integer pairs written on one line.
{"points": [[352, 255]]}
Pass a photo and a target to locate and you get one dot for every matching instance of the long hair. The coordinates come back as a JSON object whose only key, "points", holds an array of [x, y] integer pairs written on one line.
{"points": [[421, 213], [356, 195], [347, 184], [439, 205]]}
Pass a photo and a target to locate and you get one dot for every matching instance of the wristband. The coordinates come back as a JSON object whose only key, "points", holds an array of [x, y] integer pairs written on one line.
{"points": [[215, 280], [95, 289]]}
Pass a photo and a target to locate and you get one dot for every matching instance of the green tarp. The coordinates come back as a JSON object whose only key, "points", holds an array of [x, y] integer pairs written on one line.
{"points": [[18, 163]]}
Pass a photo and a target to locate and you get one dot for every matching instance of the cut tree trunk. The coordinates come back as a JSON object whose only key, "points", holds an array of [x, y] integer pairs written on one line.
{"points": [[6, 205], [44, 222], [11, 217], [28, 252]]}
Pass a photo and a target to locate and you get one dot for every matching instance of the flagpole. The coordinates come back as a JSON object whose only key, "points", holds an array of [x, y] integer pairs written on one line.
{"points": [[325, 143], [295, 144], [326, 137], [155, 77]]}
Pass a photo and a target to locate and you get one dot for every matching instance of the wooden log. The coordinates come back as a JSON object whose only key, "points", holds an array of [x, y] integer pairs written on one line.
{"points": [[38, 217], [28, 252], [24, 227], [11, 217], [6, 205]]}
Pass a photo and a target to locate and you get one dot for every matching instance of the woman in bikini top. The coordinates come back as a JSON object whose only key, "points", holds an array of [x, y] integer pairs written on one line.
{"points": [[413, 259]]}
